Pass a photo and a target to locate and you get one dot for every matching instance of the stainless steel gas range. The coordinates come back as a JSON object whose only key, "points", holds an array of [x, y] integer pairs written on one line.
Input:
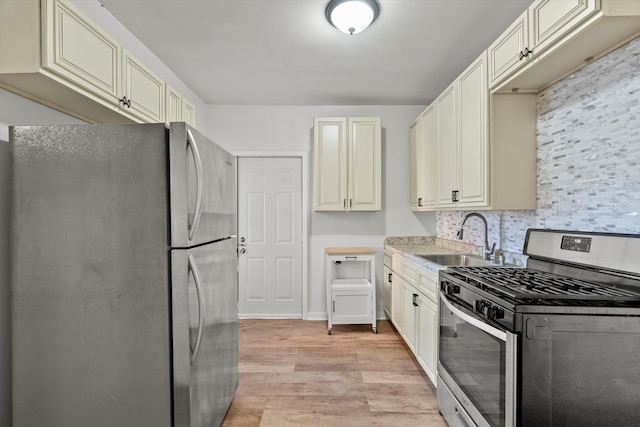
{"points": [[554, 344]]}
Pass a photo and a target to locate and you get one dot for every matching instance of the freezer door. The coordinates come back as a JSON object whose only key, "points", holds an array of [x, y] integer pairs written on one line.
{"points": [[205, 332], [203, 188]]}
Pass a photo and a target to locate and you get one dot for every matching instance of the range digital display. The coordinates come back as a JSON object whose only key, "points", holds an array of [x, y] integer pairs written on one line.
{"points": [[575, 243]]}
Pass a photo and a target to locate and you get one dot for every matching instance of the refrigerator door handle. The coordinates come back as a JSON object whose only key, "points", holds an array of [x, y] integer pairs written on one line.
{"points": [[191, 141], [201, 308]]}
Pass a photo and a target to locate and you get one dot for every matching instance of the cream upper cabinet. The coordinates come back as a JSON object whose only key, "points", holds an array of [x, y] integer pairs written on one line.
{"points": [[447, 147], [473, 127], [177, 108], [330, 163], [348, 164], [485, 145], [555, 37], [507, 52], [422, 160], [143, 91], [549, 20], [462, 127], [62, 59], [173, 105], [188, 112], [428, 156], [80, 51], [415, 171]]}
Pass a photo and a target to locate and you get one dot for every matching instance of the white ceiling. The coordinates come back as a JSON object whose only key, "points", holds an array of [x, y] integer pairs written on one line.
{"points": [[284, 52]]}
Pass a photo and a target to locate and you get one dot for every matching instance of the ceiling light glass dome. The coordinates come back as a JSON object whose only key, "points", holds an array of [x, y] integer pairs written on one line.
{"points": [[352, 16]]}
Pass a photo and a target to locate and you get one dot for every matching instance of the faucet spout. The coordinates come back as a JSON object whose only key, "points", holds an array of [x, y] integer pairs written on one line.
{"points": [[486, 252]]}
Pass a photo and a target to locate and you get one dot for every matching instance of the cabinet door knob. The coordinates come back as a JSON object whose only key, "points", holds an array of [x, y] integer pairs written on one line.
{"points": [[420, 201], [125, 101], [525, 53]]}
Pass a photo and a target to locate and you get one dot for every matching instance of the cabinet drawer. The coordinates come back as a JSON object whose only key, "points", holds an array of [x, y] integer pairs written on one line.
{"points": [[397, 264], [429, 284], [344, 258], [388, 259], [411, 273]]}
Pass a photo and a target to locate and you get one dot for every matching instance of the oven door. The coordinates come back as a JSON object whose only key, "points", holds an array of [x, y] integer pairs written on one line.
{"points": [[478, 363]]}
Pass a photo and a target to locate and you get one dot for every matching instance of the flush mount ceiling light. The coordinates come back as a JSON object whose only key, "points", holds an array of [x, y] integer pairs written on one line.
{"points": [[352, 16]]}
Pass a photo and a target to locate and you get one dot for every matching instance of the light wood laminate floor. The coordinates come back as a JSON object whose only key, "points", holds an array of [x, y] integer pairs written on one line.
{"points": [[292, 373]]}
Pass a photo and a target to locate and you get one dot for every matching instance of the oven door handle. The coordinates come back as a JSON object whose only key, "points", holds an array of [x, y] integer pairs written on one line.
{"points": [[501, 335]]}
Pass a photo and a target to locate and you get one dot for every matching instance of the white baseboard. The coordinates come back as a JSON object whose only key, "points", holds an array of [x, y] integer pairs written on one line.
{"points": [[269, 316]]}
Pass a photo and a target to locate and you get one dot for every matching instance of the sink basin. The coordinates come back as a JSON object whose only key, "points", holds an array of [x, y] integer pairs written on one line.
{"points": [[457, 260]]}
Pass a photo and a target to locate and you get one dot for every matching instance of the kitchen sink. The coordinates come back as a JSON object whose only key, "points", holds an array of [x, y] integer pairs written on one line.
{"points": [[468, 260]]}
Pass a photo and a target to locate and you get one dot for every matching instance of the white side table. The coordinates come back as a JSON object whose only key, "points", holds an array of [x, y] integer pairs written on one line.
{"points": [[351, 286]]}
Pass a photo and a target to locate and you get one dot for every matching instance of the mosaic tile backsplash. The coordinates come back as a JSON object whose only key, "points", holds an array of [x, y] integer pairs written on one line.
{"points": [[588, 153]]}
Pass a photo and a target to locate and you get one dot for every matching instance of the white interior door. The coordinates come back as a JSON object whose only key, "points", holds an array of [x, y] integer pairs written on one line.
{"points": [[270, 237]]}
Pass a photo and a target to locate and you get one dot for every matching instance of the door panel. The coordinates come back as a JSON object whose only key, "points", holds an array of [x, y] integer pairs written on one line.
{"points": [[205, 382], [214, 217], [270, 222]]}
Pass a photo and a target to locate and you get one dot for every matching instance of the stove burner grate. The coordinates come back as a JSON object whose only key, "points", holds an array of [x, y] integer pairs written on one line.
{"points": [[522, 283]]}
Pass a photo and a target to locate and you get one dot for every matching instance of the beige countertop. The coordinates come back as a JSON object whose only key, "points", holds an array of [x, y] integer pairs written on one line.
{"points": [[410, 247]]}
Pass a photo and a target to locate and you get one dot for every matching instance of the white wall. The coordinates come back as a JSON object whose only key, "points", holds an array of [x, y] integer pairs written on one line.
{"points": [[290, 128]]}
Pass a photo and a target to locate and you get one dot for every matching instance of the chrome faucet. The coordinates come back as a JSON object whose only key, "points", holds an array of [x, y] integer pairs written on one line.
{"points": [[486, 252]]}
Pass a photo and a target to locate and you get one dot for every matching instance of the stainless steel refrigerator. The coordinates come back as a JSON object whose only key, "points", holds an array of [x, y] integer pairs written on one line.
{"points": [[123, 276]]}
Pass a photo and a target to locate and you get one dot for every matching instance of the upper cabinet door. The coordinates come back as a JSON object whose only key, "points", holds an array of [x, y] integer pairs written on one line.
{"points": [[507, 53], [473, 106], [173, 107], [80, 51], [447, 147], [415, 184], [330, 164], [427, 156], [551, 19], [144, 92], [188, 112], [365, 164]]}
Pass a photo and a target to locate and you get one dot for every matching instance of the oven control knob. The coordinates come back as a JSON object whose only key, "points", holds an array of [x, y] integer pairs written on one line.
{"points": [[495, 313], [452, 289]]}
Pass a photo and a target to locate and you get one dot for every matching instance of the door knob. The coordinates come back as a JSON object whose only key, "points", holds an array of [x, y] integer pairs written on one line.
{"points": [[242, 250]]}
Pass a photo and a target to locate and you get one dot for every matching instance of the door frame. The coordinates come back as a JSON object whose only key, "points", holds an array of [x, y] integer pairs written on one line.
{"points": [[304, 158]]}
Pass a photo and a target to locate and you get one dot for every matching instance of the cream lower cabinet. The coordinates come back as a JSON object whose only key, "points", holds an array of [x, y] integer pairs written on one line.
{"points": [[347, 164], [410, 304], [397, 303], [427, 324], [414, 310], [386, 290]]}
